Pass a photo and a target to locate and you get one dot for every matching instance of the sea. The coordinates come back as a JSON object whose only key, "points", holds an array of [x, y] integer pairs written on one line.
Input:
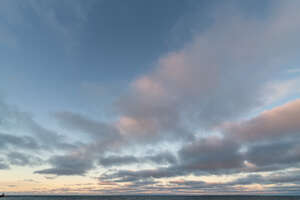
{"points": [[151, 198]]}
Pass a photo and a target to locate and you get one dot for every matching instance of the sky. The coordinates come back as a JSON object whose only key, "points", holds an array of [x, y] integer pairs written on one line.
{"points": [[149, 97]]}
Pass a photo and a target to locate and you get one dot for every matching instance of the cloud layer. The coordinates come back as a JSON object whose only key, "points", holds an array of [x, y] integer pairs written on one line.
{"points": [[189, 118]]}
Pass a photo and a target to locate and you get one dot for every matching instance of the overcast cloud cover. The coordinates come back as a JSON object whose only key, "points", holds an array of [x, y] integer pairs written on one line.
{"points": [[184, 97]]}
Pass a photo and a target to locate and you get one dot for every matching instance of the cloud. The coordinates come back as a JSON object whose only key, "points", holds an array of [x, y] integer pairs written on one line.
{"points": [[211, 154], [201, 86], [283, 89], [104, 137], [229, 154], [251, 183], [118, 160], [272, 132], [208, 85], [163, 157], [3, 165], [20, 131], [95, 129], [207, 81], [160, 158], [21, 159], [279, 122], [276, 154], [290, 177], [268, 181], [23, 142], [68, 165], [134, 176], [101, 138]]}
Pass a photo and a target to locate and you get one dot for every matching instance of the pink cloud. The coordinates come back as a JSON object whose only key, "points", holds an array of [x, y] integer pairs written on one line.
{"points": [[278, 122]]}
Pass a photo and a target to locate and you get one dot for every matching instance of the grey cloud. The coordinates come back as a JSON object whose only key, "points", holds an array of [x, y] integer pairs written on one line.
{"points": [[80, 123], [275, 153], [287, 190], [250, 179], [133, 176], [273, 178], [275, 182], [139, 185], [49, 138], [3, 165], [285, 177], [142, 183], [24, 139], [160, 158], [118, 160], [21, 159], [215, 155], [68, 165], [271, 138], [276, 179], [15, 121], [211, 154], [104, 138], [189, 183], [24, 142]]}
